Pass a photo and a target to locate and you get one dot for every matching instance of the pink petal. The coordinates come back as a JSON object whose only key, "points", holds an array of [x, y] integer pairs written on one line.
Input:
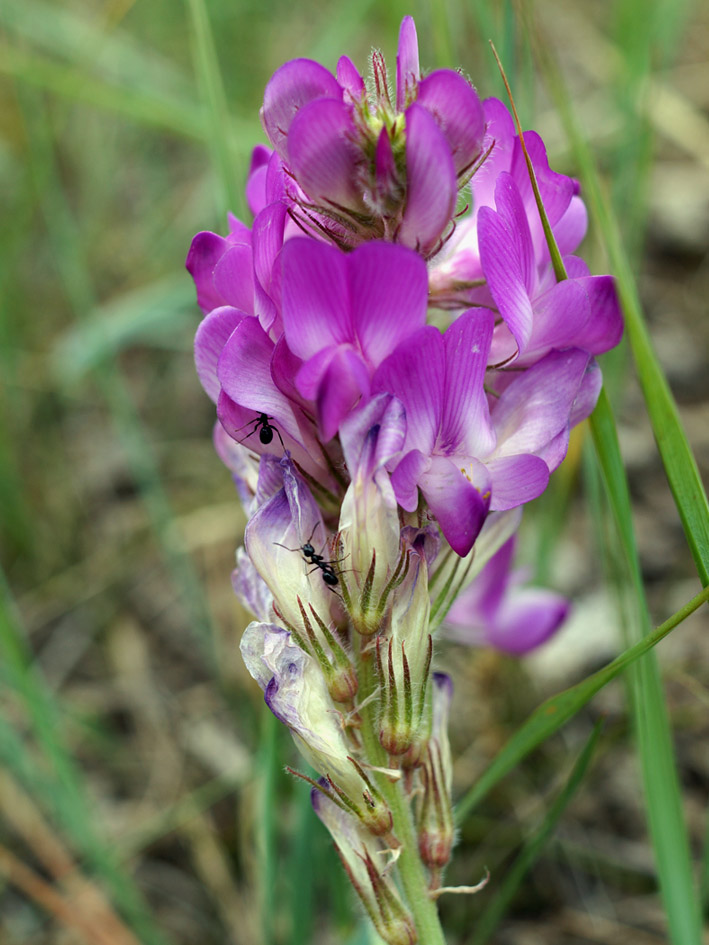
{"points": [[290, 88], [349, 78], [407, 64], [389, 296], [537, 405], [405, 479], [323, 155], [212, 334], [415, 374], [431, 186], [234, 277], [457, 504], [316, 305], [526, 620], [516, 479], [465, 425], [458, 112]]}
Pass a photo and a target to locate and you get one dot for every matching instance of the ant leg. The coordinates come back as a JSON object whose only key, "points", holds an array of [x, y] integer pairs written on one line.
{"points": [[245, 438]]}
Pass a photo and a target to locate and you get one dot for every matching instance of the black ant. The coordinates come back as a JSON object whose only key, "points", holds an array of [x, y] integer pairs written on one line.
{"points": [[311, 557], [265, 434]]}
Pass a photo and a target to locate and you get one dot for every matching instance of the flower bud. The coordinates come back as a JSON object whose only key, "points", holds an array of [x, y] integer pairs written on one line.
{"points": [[361, 855], [436, 833]]}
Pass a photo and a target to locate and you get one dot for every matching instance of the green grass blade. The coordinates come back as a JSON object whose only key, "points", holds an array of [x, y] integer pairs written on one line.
{"points": [[556, 711], [230, 197], [79, 85], [677, 457], [495, 911], [662, 791]]}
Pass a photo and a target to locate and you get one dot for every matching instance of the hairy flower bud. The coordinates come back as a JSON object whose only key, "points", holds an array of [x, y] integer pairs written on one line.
{"points": [[362, 857], [434, 821]]}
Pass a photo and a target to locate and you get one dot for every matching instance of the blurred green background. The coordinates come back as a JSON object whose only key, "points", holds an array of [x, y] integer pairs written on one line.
{"points": [[142, 797]]}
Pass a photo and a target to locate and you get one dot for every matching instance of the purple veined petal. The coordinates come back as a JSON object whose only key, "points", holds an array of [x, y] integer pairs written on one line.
{"points": [[212, 334], [512, 211], [349, 78], [587, 394], [605, 325], [415, 374], [560, 318], [290, 88], [500, 137], [526, 620], [322, 153], [273, 538], [388, 296], [405, 478], [481, 600], [270, 481], [234, 277], [267, 239], [384, 168], [238, 231], [381, 423], [465, 425], [343, 383], [244, 372], [571, 228], [256, 182], [505, 276], [536, 406], [205, 252], [554, 452], [316, 303], [275, 179], [284, 370], [251, 589], [556, 189], [239, 462], [516, 479], [431, 185], [458, 112], [459, 506], [256, 190], [575, 267], [407, 64]]}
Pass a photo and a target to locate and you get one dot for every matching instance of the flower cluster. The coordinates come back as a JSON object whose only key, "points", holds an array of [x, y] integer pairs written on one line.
{"points": [[393, 380]]}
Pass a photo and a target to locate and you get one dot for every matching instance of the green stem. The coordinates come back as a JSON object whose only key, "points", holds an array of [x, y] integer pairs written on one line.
{"points": [[411, 870]]}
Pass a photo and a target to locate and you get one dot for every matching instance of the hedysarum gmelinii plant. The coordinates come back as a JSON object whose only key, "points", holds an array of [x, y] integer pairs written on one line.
{"points": [[379, 455]]}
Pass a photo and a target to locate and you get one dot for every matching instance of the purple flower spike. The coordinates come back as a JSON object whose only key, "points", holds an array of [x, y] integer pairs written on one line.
{"points": [[495, 611]]}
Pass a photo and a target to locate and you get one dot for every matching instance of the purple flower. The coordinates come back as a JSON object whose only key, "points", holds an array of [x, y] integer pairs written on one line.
{"points": [[222, 268], [540, 313], [363, 167], [343, 314], [457, 275], [495, 611], [464, 456]]}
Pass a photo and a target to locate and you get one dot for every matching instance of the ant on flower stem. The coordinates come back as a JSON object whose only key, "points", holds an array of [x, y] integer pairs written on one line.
{"points": [[266, 431], [311, 557]]}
